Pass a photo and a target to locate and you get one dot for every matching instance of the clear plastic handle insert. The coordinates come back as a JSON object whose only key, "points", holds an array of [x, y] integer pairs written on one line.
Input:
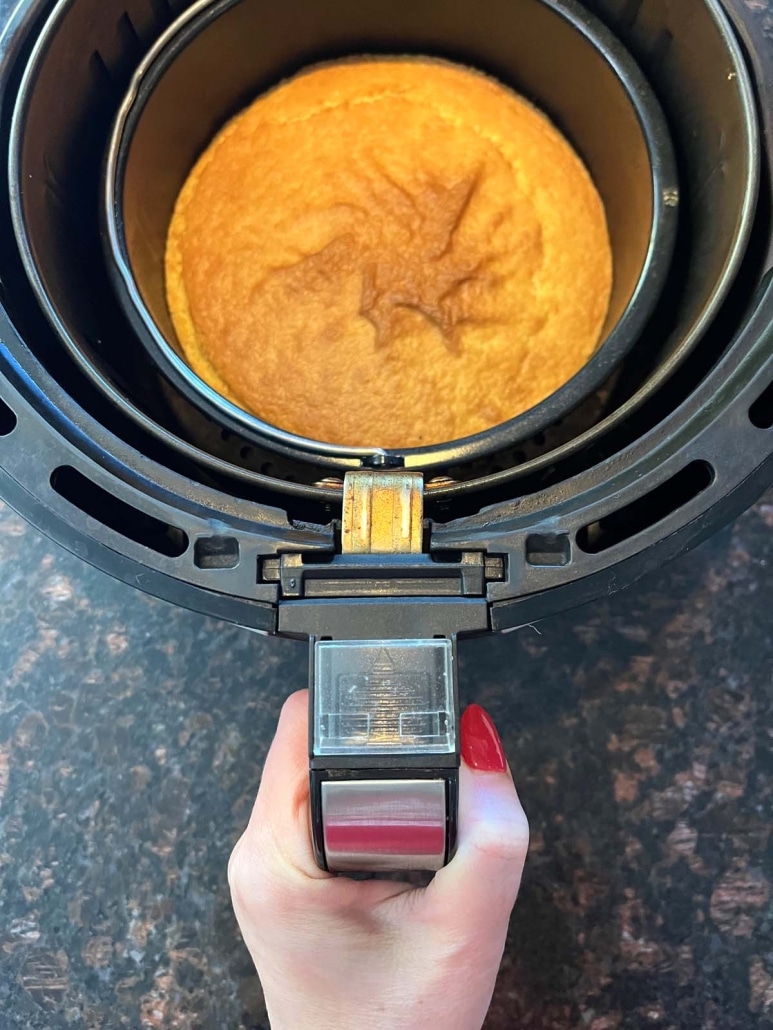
{"points": [[385, 697]]}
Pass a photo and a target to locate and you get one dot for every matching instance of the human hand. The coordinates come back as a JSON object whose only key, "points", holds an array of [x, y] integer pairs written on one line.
{"points": [[339, 954]]}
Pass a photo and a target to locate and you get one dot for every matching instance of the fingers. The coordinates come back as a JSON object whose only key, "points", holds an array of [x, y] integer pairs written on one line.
{"points": [[272, 868], [486, 872], [480, 885]]}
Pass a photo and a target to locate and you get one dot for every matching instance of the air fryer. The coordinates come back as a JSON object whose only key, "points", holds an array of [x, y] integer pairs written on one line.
{"points": [[385, 561]]}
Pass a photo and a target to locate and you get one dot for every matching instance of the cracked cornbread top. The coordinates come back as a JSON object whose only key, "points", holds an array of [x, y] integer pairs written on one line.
{"points": [[388, 252]]}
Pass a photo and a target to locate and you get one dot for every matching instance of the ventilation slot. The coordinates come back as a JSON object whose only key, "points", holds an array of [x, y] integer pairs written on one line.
{"points": [[117, 515], [7, 419], [647, 511], [761, 412], [216, 552], [548, 549]]}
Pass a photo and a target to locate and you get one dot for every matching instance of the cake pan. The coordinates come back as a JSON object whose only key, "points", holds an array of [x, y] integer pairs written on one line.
{"points": [[219, 55]]}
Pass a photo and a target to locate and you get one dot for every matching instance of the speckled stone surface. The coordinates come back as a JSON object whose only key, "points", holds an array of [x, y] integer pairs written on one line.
{"points": [[639, 731]]}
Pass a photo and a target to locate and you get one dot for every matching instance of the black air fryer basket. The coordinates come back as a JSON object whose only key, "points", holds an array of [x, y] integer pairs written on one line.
{"points": [[116, 456]]}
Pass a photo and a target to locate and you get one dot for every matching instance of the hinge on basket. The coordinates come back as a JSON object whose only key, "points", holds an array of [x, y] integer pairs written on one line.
{"points": [[381, 555], [383, 513]]}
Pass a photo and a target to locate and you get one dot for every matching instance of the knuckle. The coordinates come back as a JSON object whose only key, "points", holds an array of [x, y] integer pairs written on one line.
{"points": [[507, 841], [257, 880], [236, 870]]}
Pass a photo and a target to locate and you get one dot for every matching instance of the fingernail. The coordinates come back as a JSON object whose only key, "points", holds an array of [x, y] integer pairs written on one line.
{"points": [[481, 747]]}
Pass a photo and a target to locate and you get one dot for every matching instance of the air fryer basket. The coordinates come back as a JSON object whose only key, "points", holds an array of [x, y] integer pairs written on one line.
{"points": [[59, 135], [102, 452], [200, 72]]}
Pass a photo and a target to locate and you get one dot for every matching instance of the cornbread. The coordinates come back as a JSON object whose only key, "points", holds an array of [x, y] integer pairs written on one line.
{"points": [[388, 252]]}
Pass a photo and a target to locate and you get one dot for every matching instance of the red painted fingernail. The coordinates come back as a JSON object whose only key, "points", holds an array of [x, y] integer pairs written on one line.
{"points": [[481, 746]]}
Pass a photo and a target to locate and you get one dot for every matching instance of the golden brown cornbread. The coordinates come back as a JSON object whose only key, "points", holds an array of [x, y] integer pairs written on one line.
{"points": [[388, 252]]}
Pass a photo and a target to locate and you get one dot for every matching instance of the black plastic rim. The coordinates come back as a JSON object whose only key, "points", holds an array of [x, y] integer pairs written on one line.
{"points": [[613, 349]]}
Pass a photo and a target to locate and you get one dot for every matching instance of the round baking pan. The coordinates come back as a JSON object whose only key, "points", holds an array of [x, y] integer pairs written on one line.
{"points": [[215, 58]]}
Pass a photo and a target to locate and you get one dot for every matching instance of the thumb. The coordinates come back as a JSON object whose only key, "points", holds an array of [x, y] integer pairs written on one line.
{"points": [[479, 887], [277, 841]]}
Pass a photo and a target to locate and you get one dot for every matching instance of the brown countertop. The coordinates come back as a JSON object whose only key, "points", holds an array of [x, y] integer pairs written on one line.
{"points": [[131, 740]]}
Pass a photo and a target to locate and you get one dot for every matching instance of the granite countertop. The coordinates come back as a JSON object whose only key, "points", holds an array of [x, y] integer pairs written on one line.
{"points": [[131, 740]]}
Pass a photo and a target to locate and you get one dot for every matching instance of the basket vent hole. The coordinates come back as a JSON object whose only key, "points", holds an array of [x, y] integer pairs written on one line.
{"points": [[216, 552], [117, 515], [548, 549], [761, 412], [7, 419], [647, 511]]}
